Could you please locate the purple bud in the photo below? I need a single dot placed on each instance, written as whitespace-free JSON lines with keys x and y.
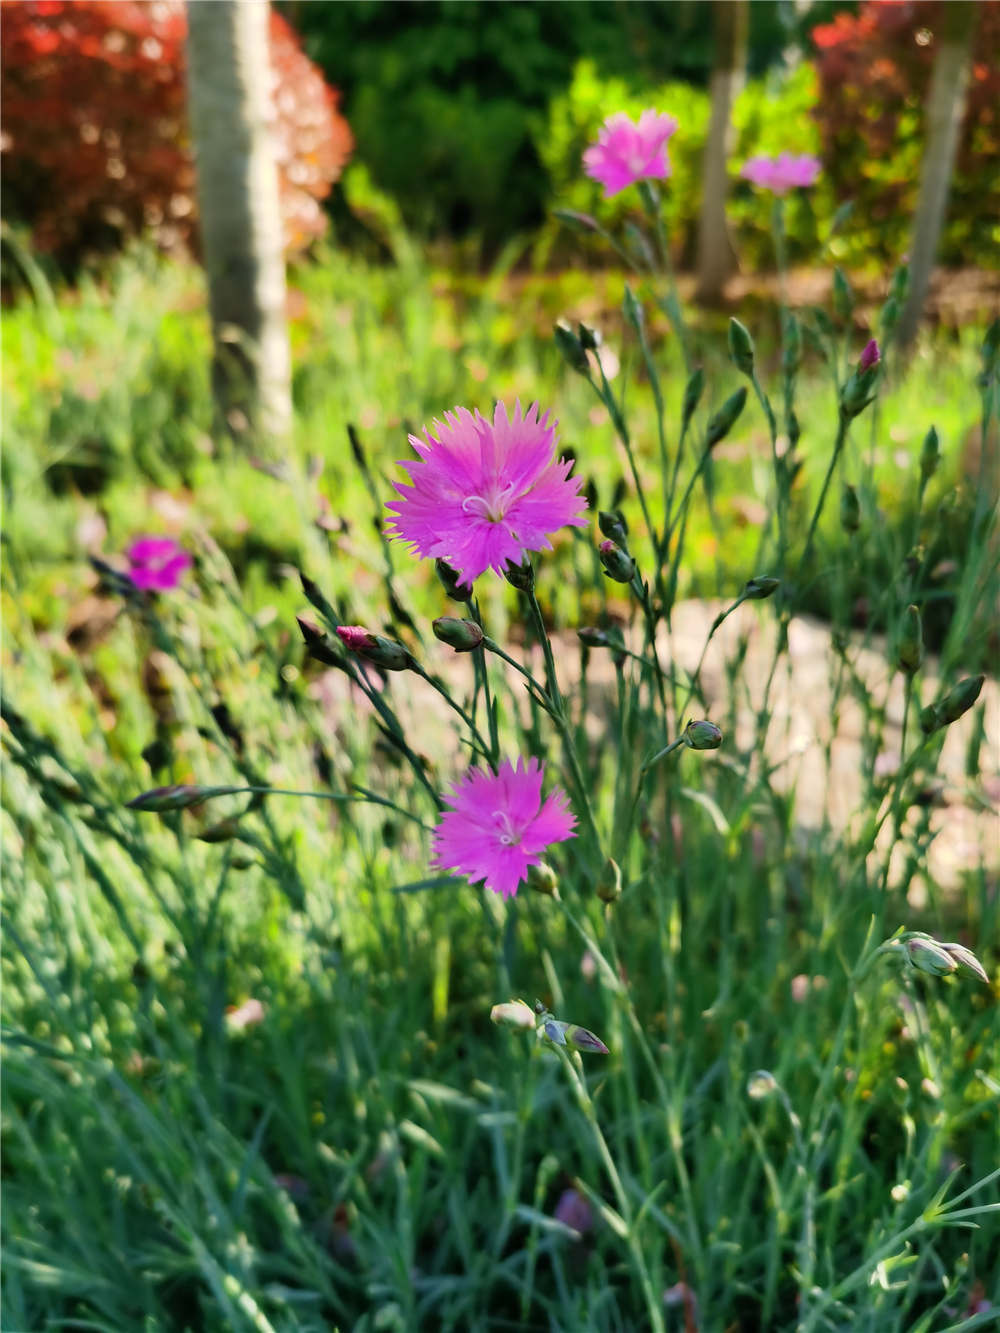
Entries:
{"x":870,"y":357}
{"x":161,"y":799}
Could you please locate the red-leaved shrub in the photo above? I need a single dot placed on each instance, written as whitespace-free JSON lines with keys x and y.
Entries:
{"x":875,"y":70}
{"x":95,"y":139}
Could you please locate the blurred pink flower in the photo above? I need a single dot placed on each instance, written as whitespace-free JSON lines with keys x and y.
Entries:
{"x":871,"y":356}
{"x":246,"y":1015}
{"x":499,"y":825}
{"x":484,"y":494}
{"x":573,"y":1210}
{"x":781,"y":174}
{"x":627,"y":152}
{"x":157,"y":563}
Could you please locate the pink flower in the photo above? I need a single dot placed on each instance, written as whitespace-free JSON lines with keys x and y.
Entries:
{"x":483,"y":495}
{"x":499,"y":825}
{"x":627,"y":152}
{"x":781,"y":174}
{"x":157,"y":563}
{"x":870,"y":357}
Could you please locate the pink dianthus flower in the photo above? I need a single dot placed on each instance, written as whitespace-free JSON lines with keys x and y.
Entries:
{"x":627,"y":152}
{"x":156,"y":563}
{"x":499,"y":825}
{"x":781,"y":174}
{"x":484,"y":494}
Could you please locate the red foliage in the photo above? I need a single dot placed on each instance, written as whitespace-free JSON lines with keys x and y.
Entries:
{"x":874,"y":71}
{"x":95,"y":138}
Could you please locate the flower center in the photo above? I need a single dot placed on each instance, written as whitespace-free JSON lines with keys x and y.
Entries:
{"x":509,"y":836}
{"x":492,"y":506}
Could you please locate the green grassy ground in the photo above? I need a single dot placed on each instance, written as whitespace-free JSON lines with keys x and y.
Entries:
{"x":373,"y":1153}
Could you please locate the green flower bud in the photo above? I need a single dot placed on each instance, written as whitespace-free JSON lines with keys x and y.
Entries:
{"x":741,"y":347}
{"x":589,"y":338}
{"x":959,"y":700}
{"x":462,"y":635}
{"x":760,"y":587}
{"x":618,"y":565}
{"x":449,"y":580}
{"x":928,"y":956}
{"x":609,"y":882}
{"x":930,"y":456}
{"x":850,"y":508}
{"x":966,"y":958}
{"x":910,"y":651}
{"x":182,"y":797}
{"x":722,"y":422}
{"x":930,"y":719}
{"x":614,"y":527}
{"x":513,"y":1014}
{"x":792,"y":355}
{"x":570,"y":346}
{"x":692,"y":396}
{"x":543,"y":879}
{"x":857,"y":391}
{"x":583,"y":1039}
{"x":521,"y":577}
{"x":702,"y":735}
{"x":594,"y":637}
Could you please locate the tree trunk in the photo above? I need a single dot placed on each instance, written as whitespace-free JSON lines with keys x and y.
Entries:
{"x":716,"y":259}
{"x":945,"y":111}
{"x":229,"y":81}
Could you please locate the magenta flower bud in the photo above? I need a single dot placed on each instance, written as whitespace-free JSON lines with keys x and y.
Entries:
{"x":513,"y":1014}
{"x":870,"y":357}
{"x":374,"y":648}
{"x":462,"y":635}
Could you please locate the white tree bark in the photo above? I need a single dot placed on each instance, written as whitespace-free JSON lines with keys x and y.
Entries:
{"x":229,"y":98}
{"x":716,"y":259}
{"x":945,"y":111}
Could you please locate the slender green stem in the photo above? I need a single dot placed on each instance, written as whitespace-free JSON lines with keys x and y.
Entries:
{"x":469,"y":721}
{"x":838,"y":446}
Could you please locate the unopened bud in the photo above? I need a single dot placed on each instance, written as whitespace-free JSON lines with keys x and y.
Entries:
{"x":843,"y":297}
{"x":870,"y":356}
{"x":161,"y":799}
{"x":521,"y":577}
{"x":462,"y":635}
{"x":928,"y":956}
{"x":966,"y":958}
{"x":572,"y":349}
{"x":890,"y":317}
{"x":450,"y":580}
{"x":930,"y":455}
{"x":959,"y":700}
{"x":617,"y":564}
{"x":741,"y":347}
{"x":318,"y":643}
{"x":583,"y":1039}
{"x":850,"y":508}
{"x":542,"y":879}
{"x":702,"y":735}
{"x":375,"y":648}
{"x":929,"y":719}
{"x":910,"y":651}
{"x":513,"y":1014}
{"x":722,"y":422}
{"x":614,"y":527}
{"x":609,"y":882}
{"x":857,"y":391}
{"x":590,"y":339}
{"x":760,"y":587}
{"x":761,"y":1084}
{"x":692,"y":396}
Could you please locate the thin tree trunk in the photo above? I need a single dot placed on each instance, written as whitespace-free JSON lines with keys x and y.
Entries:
{"x":716,"y":259}
{"x":229,"y":79}
{"x":945,"y":111}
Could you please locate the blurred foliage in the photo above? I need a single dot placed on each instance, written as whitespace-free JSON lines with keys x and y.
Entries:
{"x":448,"y":99}
{"x":874,"y":72}
{"x":95,"y":137}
